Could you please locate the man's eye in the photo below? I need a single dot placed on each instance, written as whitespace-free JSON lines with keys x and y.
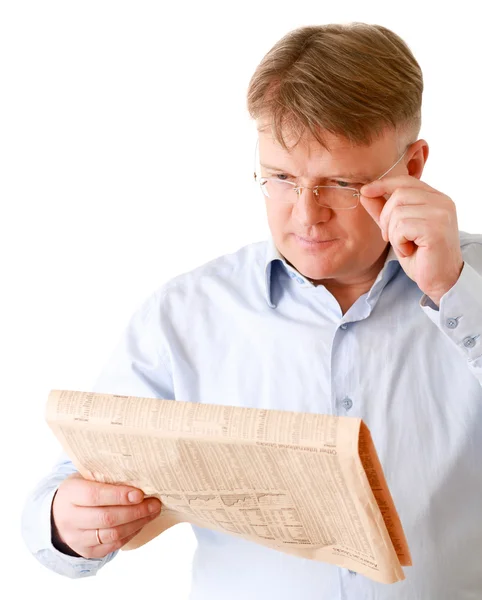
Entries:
{"x":349,"y":184}
{"x":282,"y":176}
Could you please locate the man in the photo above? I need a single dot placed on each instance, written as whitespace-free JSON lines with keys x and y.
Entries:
{"x":366,"y":302}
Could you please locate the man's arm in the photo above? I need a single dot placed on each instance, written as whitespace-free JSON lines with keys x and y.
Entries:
{"x":421,"y":224}
{"x":139,"y":366}
{"x":37,"y":531}
{"x":459,"y":315}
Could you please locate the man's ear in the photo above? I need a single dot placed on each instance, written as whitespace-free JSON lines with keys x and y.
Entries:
{"x":418,"y":155}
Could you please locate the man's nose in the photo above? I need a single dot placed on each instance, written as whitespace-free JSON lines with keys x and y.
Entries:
{"x":307,"y":211}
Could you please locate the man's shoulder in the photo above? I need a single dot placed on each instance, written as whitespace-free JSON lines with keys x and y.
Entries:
{"x":471,"y":246}
{"x":468,"y":239}
{"x":231,"y":268}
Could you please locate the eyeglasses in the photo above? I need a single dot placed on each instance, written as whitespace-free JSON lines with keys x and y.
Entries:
{"x":336,"y":197}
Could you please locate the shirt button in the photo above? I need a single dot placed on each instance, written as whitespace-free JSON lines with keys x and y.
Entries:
{"x":469,"y":342}
{"x":344,"y":326}
{"x":351,"y":572}
{"x":452,"y":323}
{"x":347,"y":403}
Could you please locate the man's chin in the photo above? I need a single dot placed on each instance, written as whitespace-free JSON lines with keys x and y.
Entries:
{"x":315,"y":272}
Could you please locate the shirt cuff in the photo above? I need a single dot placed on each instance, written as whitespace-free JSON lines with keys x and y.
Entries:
{"x":70,"y":566}
{"x":460,"y":313}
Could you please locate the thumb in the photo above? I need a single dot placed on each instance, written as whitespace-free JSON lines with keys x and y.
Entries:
{"x":373,"y":206}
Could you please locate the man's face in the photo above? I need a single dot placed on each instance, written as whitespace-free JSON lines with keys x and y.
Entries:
{"x":351,"y":241}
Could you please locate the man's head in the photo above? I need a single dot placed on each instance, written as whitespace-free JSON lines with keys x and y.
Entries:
{"x":335,"y":105}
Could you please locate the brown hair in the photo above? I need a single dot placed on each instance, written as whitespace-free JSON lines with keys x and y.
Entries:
{"x":352,"y":80}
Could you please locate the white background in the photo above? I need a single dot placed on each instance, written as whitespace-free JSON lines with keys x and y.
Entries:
{"x":126,"y":159}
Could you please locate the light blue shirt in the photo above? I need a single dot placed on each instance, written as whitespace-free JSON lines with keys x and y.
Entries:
{"x":247,"y":329}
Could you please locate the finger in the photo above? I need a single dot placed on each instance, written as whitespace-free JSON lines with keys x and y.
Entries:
{"x":405,"y":234}
{"x":105,"y":549}
{"x":405,"y":249}
{"x":388,"y":185}
{"x":373,"y":206}
{"x":112,"y":516}
{"x":392,"y":213}
{"x":96,"y":493}
{"x":114,"y":534}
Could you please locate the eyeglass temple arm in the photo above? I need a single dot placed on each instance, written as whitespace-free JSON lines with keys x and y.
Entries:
{"x":381,"y":176}
{"x":393,"y":166}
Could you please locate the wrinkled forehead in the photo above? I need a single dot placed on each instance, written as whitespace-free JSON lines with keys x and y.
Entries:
{"x":307,"y":156}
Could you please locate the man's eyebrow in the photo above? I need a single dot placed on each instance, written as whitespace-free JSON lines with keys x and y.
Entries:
{"x":271,"y":168}
{"x":361,"y":177}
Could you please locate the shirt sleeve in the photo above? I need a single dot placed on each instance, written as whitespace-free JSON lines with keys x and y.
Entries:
{"x":139,"y":366}
{"x":460,"y":314}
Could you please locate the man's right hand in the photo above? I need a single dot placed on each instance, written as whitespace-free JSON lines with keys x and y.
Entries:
{"x":81,"y":507}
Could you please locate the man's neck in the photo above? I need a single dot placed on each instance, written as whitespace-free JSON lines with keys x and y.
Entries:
{"x":347,"y":293}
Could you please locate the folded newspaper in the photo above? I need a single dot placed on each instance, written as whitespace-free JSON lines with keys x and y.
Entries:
{"x":307,"y":484}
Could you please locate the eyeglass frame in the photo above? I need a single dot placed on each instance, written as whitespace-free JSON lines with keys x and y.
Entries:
{"x":298,"y":188}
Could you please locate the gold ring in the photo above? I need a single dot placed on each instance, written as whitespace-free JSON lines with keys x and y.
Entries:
{"x":97,"y":536}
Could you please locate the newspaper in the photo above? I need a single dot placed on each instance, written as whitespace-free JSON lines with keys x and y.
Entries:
{"x":307,"y":484}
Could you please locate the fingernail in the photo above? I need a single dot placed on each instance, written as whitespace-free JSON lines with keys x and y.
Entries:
{"x":154,"y":506}
{"x":369,"y":188}
{"x":135,"y":496}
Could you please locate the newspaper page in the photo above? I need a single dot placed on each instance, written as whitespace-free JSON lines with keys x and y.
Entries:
{"x":307,"y":484}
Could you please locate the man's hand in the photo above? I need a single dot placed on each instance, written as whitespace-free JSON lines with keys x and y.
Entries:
{"x":81,"y":507}
{"x":421,"y":225}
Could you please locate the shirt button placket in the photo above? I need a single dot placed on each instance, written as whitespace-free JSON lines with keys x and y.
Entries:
{"x":452,"y":323}
{"x":469,"y":342}
{"x":347,"y":403}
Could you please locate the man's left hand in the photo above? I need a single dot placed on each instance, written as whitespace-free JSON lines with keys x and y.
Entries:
{"x":421,"y":225}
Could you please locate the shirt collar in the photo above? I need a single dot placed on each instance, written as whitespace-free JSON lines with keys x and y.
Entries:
{"x":390,"y":267}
